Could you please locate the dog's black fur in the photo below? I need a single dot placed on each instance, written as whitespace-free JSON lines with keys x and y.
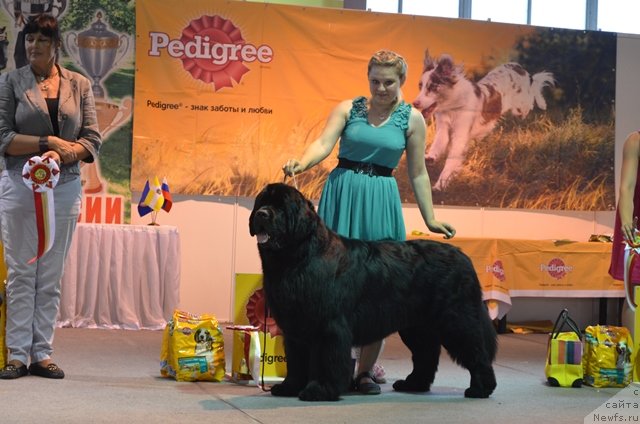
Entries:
{"x":328,"y":293}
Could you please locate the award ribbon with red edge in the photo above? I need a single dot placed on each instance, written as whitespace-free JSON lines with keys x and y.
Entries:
{"x":41,"y":175}
{"x":631,"y":251}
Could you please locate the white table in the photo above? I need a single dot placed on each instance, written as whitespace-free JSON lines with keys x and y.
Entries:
{"x":121,"y":276}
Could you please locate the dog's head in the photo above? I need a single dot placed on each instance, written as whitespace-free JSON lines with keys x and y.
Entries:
{"x":202,"y":335}
{"x":282,"y":217}
{"x":437,"y":79}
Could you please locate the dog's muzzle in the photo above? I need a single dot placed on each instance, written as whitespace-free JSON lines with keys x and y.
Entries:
{"x":260,"y":217}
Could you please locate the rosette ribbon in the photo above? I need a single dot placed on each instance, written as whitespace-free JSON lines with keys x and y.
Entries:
{"x":631,"y":252}
{"x":41,"y":176}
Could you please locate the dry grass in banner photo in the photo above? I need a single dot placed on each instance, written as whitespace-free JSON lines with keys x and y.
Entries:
{"x":540,"y":165}
{"x":239,"y":164}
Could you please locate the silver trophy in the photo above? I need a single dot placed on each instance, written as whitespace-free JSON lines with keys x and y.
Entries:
{"x":97,"y":50}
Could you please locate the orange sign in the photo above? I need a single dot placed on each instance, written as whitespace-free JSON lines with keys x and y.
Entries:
{"x":510,"y":268}
{"x":226,"y":92}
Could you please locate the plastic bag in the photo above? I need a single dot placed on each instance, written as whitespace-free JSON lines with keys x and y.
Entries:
{"x":246,"y":359}
{"x":192,"y":348}
{"x":608,"y":357}
{"x":564,"y":354}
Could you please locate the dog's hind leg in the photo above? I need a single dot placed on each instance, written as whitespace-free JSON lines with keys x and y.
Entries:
{"x":425,"y":355}
{"x":474,"y":348}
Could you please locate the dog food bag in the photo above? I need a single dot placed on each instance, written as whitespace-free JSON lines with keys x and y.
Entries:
{"x":608,"y":356}
{"x":192,"y":348}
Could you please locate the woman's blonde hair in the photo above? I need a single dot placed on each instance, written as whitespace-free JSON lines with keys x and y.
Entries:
{"x":389,"y":59}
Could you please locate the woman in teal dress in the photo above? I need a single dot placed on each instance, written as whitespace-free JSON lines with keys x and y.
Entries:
{"x":360,"y":198}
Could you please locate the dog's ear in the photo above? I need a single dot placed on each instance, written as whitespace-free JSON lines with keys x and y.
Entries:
{"x":429,"y":63}
{"x":302,"y":216}
{"x":447,"y":69}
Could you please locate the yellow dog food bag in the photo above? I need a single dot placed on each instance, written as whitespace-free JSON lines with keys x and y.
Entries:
{"x":608,"y":357}
{"x":192,"y":348}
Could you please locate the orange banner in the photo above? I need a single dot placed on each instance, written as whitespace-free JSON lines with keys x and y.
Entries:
{"x":226,"y":92}
{"x":537,"y":268}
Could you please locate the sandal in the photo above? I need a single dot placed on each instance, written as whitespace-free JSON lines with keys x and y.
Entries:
{"x":49,"y":371}
{"x":366,"y":388}
{"x":11,"y":372}
{"x":378,"y":374}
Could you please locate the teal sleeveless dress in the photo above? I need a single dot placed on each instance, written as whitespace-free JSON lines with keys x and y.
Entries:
{"x":357,"y":205}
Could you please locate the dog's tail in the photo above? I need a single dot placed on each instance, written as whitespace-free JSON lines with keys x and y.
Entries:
{"x":538,"y":82}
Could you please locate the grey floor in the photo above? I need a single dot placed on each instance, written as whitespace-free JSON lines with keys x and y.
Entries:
{"x":113,"y":377}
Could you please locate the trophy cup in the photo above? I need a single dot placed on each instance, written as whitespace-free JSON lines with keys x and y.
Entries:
{"x":97,"y":50}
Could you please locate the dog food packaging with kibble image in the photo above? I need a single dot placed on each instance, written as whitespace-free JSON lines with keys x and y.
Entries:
{"x":608,"y":357}
{"x":192,"y":348}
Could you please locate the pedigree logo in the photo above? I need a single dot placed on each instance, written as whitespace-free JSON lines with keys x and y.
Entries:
{"x":497,"y":270}
{"x":556,"y":268}
{"x":212,"y":50}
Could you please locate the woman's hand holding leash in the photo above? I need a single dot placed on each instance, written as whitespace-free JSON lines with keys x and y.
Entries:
{"x":290,"y":169}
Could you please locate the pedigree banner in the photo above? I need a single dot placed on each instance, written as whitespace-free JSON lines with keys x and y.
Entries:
{"x":517,"y":116}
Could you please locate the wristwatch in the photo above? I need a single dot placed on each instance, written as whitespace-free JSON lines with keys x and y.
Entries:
{"x":43,"y":143}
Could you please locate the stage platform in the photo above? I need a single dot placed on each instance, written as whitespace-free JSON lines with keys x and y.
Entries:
{"x":114,"y":376}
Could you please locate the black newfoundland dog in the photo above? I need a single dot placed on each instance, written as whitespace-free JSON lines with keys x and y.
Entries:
{"x":328,"y":293}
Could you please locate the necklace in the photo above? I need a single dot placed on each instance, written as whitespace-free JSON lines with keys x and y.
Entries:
{"x":42,"y":80}
{"x":384,"y":115}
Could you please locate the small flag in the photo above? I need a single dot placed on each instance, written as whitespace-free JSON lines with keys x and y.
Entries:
{"x":154,"y":198}
{"x":168,"y":202}
{"x":151,"y":198}
{"x":142,"y":208}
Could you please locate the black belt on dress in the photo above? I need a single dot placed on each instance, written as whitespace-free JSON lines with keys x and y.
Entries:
{"x":370,"y":169}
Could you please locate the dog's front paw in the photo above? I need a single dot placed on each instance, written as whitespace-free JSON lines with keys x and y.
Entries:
{"x":316,"y":392}
{"x":410,"y":386}
{"x":284,"y":390}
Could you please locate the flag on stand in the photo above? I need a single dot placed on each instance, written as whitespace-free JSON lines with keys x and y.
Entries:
{"x":168,"y":202}
{"x":151,"y":198}
{"x":142,"y":208}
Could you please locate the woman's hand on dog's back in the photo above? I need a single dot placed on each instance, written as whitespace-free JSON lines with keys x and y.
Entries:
{"x":442,"y":228}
